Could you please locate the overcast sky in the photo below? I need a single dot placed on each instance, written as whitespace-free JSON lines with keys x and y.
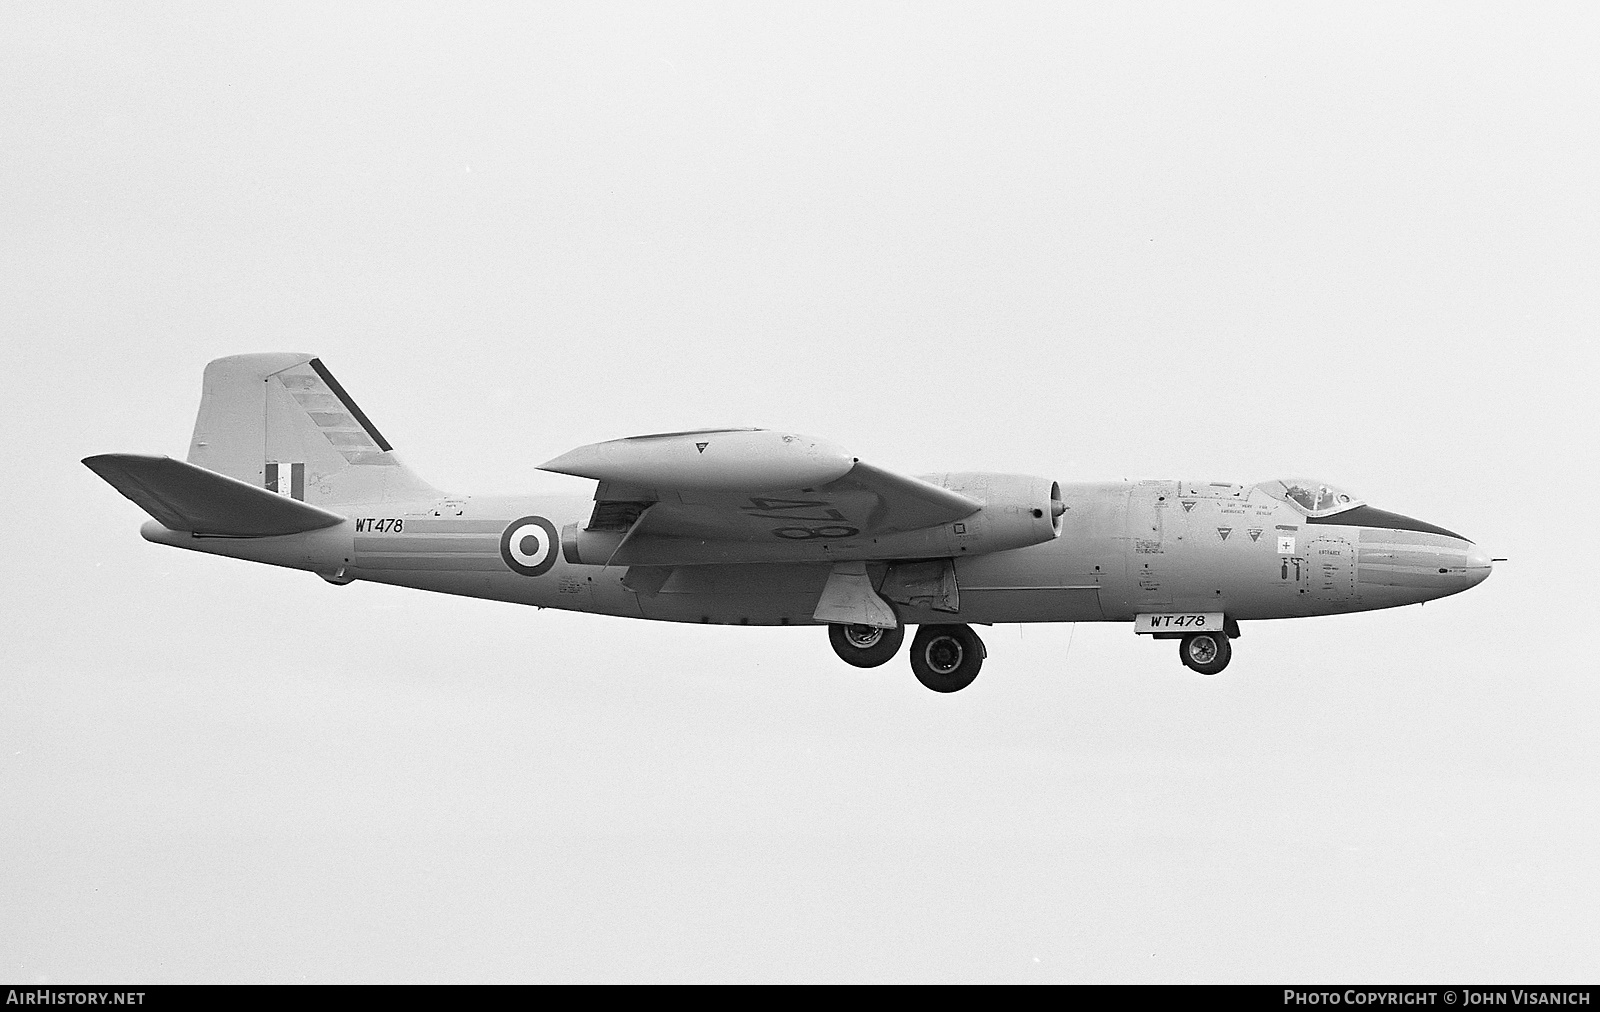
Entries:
{"x":1214,"y":242}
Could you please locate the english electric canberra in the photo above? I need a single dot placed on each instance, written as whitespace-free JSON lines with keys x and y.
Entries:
{"x":759,"y":527}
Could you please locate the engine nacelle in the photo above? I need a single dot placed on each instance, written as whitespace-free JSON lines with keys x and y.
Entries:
{"x":1018,"y":510}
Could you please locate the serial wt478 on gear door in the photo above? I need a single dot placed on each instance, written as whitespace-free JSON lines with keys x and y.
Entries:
{"x":758,"y":527}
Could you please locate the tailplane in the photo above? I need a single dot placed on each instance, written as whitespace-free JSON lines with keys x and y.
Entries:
{"x":183,"y":497}
{"x":281,"y":422}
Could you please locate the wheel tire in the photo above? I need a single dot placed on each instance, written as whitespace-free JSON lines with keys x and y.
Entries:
{"x":946,"y":658}
{"x":1207,"y":653}
{"x":865,"y":646}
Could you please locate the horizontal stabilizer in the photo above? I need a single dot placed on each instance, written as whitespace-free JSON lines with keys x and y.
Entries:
{"x":184,"y":497}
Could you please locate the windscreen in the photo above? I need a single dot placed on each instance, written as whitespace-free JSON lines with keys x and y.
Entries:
{"x":1310,"y":496}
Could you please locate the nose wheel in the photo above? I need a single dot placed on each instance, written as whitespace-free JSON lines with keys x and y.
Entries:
{"x":946,"y":658}
{"x":1207,"y":652}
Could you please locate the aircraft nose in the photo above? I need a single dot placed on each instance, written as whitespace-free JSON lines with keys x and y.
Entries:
{"x":1478,"y":564}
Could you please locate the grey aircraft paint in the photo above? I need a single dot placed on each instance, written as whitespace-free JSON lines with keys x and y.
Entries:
{"x":671,"y":511}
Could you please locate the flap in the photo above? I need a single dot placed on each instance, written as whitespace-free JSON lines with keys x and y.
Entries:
{"x":184,"y":497}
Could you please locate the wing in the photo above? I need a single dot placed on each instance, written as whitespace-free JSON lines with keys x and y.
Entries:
{"x":750,"y":495}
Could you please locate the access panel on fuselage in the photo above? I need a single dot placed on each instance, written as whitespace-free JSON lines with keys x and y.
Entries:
{"x":1332,"y":563}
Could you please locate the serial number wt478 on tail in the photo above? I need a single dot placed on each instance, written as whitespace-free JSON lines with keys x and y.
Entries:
{"x":757,"y":527}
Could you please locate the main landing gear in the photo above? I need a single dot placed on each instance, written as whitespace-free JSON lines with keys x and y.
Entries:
{"x":945,"y":658}
{"x":865,"y":646}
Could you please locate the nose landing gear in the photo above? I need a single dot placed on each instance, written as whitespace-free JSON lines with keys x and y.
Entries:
{"x":1207,"y":652}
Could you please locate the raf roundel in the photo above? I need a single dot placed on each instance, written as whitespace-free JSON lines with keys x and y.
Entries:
{"x":529,"y":546}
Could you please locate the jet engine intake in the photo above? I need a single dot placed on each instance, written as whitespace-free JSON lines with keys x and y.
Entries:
{"x":1018,"y":510}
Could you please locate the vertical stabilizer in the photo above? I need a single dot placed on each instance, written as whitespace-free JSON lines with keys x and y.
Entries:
{"x":280,"y":421}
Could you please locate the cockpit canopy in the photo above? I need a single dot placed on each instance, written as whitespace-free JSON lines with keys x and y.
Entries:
{"x":1312,"y":497}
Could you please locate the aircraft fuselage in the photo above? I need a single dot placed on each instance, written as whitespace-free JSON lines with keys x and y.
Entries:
{"x":1125,"y":549}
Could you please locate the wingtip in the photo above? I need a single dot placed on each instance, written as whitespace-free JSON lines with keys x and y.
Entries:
{"x":108,"y":458}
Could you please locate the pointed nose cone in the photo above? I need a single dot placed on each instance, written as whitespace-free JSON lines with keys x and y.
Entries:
{"x":1478,"y":564}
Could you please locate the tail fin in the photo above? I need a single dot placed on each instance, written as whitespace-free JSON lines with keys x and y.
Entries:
{"x":280,"y":421}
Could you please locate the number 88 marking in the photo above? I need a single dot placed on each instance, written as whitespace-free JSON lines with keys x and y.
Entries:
{"x":812,"y":533}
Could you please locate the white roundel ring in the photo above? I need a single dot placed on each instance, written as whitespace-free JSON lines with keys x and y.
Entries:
{"x":529,"y":546}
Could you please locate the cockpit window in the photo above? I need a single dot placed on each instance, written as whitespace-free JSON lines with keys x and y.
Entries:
{"x":1314,"y":498}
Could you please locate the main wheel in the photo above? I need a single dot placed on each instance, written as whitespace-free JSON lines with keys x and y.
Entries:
{"x":946,"y":658}
{"x":1207,"y":653}
{"x":865,"y":646}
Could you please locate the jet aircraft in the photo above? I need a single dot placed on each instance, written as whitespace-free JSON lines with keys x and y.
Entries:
{"x":761,"y":527}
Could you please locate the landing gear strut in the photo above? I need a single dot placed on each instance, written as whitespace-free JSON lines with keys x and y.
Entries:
{"x":865,"y":646}
{"x":946,"y":658}
{"x":1207,"y":652}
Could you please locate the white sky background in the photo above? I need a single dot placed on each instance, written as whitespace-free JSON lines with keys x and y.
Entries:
{"x":1223,"y":243}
